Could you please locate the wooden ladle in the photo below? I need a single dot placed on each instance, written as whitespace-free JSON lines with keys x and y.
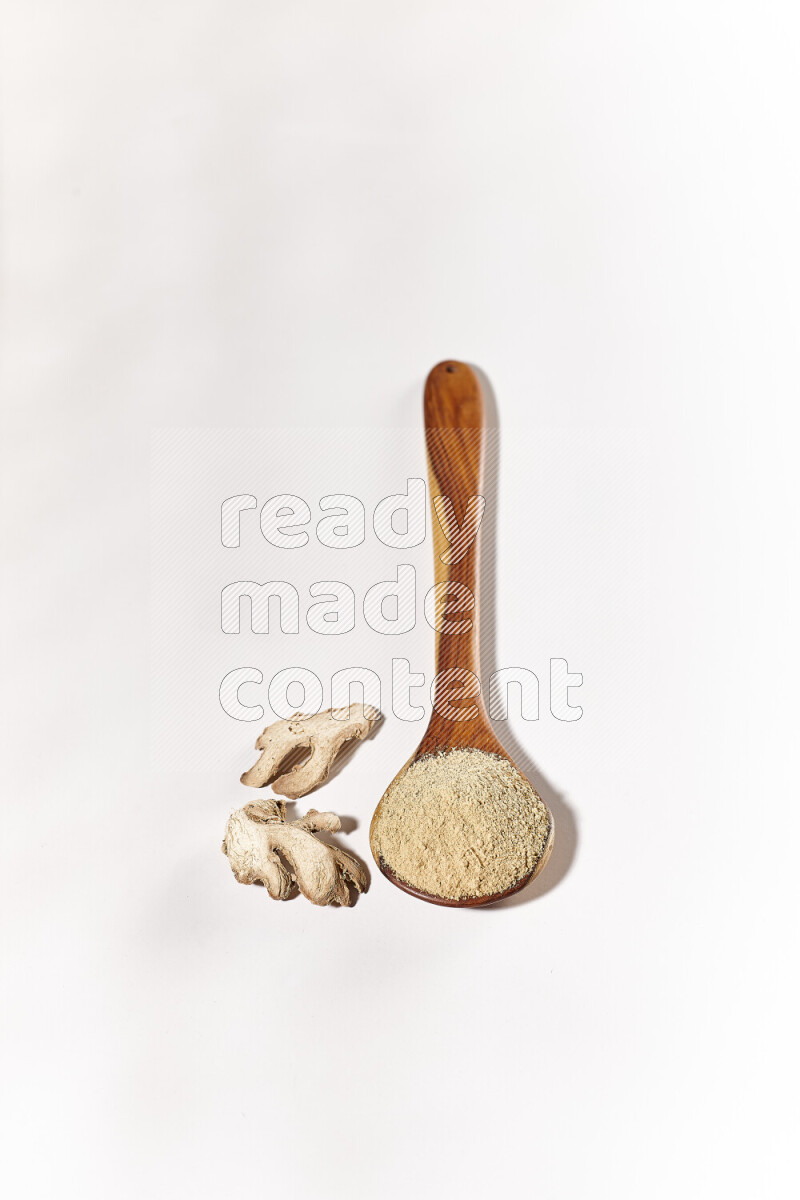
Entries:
{"x":454,"y":433}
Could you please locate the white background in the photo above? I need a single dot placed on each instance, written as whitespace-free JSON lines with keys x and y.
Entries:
{"x":272,"y":215}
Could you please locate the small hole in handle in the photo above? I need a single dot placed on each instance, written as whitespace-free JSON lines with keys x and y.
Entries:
{"x":450,"y":370}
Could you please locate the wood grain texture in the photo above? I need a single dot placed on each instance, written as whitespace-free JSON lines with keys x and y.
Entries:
{"x":455,"y":434}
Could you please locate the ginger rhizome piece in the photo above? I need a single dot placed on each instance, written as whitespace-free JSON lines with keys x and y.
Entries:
{"x":323,"y":734}
{"x":262,"y":848}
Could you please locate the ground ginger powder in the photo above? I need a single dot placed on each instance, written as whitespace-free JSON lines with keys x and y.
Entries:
{"x":461,"y":823}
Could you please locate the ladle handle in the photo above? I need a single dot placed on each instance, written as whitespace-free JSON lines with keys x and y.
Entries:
{"x":454,"y":433}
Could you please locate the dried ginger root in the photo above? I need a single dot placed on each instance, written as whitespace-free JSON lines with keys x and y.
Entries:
{"x":259,"y":845}
{"x":323,"y":734}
